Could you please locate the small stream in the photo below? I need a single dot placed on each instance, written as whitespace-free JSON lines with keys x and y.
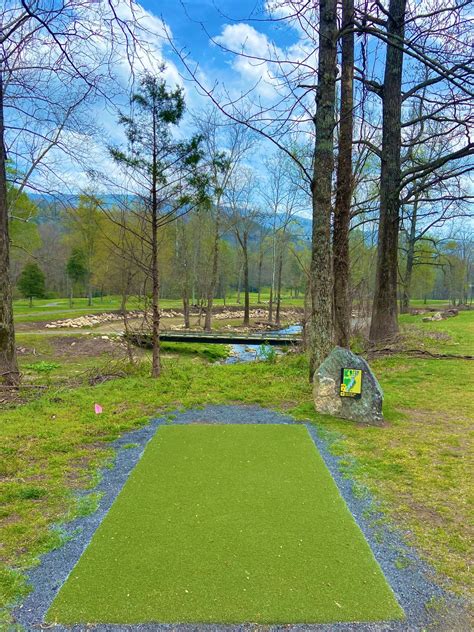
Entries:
{"x":250,"y":353}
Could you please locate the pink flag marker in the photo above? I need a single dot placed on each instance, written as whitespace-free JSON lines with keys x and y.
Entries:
{"x":98,"y":409}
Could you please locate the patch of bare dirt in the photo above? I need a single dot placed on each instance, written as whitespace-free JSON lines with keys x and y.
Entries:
{"x":450,"y":421}
{"x":83,"y":346}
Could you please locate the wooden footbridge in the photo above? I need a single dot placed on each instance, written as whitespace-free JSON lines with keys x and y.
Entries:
{"x":273,"y":338}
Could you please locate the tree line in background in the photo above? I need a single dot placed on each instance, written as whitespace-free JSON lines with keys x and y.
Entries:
{"x":370,"y":122}
{"x":79,"y":253}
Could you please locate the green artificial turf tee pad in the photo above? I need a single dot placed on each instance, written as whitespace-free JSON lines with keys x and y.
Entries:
{"x":227,"y":524}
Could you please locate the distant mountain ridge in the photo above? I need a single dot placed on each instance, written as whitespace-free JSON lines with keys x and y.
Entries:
{"x":50,"y":207}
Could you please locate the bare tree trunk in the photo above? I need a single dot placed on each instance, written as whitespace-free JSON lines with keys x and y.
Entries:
{"x":215,"y":265}
{"x":278,"y":289}
{"x":272,"y":285}
{"x":384,"y":312}
{"x":89,"y":286}
{"x":406,"y":289}
{"x":322,"y":332}
{"x":306,"y":317}
{"x":246,"y":280}
{"x":155,"y":307}
{"x":184,"y":267}
{"x":259,"y":276}
{"x":187,"y":323}
{"x":123,"y":309}
{"x":342,"y":211}
{"x":9,"y":373}
{"x":239,"y":281}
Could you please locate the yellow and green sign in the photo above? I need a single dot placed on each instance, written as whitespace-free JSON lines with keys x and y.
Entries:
{"x":351,"y":383}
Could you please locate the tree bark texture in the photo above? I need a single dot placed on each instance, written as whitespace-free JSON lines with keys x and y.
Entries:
{"x":155,"y":307}
{"x":9,"y":373}
{"x":342,"y":211}
{"x":384,"y":323}
{"x":321,"y":283}
{"x":155,"y":279}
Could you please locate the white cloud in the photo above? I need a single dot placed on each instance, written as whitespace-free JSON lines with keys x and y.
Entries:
{"x":253,"y":50}
{"x":258,"y":60}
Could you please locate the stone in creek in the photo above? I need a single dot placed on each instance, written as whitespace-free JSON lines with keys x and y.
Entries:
{"x":326,"y":390}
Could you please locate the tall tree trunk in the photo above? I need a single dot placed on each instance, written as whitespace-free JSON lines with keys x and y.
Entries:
{"x":187,"y":323}
{"x":406,"y":289}
{"x":278,"y":289}
{"x":9,"y":373}
{"x":272,"y":285}
{"x":342,"y":211}
{"x":184,"y":267}
{"x":155,"y":307}
{"x":270,"y":305}
{"x":89,"y":285}
{"x":215,"y":267}
{"x":259,"y":274}
{"x":322,"y":331}
{"x":384,"y":312}
{"x":246,"y":280}
{"x":239,"y":282}
{"x":123,"y":309}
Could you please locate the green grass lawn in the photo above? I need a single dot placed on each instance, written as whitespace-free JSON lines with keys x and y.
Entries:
{"x":58,"y":308}
{"x":453,"y":335}
{"x":419,"y":465}
{"x":227,"y":524}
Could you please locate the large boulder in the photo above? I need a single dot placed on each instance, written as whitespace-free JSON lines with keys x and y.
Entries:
{"x":353,"y":394}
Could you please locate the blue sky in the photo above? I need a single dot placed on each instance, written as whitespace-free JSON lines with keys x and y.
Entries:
{"x":238,"y":23}
{"x":192,"y":25}
{"x":246,"y":26}
{"x":214,"y":15}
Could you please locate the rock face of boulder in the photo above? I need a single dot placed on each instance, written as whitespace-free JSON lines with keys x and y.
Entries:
{"x":364,"y":408}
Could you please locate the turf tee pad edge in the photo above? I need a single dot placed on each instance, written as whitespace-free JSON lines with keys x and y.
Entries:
{"x":227,"y":524}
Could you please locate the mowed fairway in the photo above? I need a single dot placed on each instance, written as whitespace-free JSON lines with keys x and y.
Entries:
{"x":227,"y":524}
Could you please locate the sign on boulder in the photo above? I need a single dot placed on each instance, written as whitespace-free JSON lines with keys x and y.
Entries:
{"x":344,"y":386}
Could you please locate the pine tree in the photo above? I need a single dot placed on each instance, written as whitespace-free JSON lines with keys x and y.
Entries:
{"x":31,"y":282}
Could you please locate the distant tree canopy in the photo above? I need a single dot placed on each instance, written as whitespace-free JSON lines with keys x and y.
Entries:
{"x":31,"y":282}
{"x":76,"y":266}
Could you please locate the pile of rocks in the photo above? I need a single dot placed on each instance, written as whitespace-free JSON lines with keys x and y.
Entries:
{"x":448,"y":313}
{"x":169,"y":314}
{"x":257,"y":314}
{"x":89,"y":320}
{"x":92,"y":320}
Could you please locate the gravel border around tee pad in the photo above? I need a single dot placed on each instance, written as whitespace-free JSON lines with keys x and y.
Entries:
{"x":410,"y":584}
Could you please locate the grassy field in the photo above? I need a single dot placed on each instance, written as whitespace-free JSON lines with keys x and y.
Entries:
{"x":418,"y":465}
{"x":58,"y":308}
{"x":450,"y":336}
{"x":221,"y":524}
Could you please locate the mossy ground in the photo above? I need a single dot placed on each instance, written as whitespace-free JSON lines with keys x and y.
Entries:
{"x":418,"y":465}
